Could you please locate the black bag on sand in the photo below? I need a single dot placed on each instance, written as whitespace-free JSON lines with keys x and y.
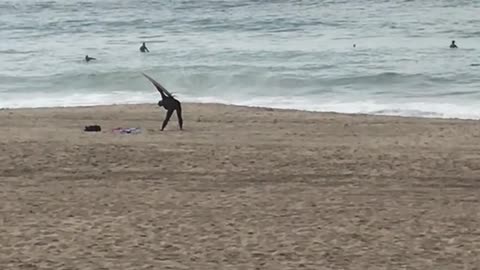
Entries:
{"x":94,"y":128}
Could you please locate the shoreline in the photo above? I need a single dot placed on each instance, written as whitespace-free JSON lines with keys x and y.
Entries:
{"x":244,"y":106}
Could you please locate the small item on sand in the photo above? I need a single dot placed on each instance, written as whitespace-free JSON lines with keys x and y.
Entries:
{"x":127,"y":130}
{"x":94,"y":128}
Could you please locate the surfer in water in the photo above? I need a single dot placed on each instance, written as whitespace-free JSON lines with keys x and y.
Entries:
{"x":453,"y":45}
{"x":88,"y":58}
{"x":168,"y":102}
{"x":144,"y":48}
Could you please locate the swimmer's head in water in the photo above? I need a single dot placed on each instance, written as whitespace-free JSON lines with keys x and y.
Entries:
{"x":453,"y":45}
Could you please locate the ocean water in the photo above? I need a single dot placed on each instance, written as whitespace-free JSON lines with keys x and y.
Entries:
{"x":281,"y":54}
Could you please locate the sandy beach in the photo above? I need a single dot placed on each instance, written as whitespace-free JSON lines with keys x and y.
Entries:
{"x":239,"y":188}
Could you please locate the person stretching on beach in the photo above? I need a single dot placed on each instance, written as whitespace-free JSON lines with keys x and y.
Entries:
{"x":168,"y":102}
{"x":144,"y":48}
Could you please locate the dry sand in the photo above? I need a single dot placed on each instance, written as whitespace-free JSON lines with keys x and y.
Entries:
{"x":239,"y":188}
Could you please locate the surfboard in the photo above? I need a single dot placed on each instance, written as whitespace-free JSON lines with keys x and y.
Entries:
{"x":159,"y":87}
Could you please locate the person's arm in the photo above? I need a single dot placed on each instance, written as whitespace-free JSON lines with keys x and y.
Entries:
{"x":159,"y":87}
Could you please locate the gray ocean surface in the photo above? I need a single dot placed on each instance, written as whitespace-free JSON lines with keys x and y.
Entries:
{"x":281,"y":54}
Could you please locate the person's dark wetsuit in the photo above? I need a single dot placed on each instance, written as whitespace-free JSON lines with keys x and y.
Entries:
{"x":168,"y":102}
{"x":144,"y":48}
{"x":88,"y":58}
{"x":453,"y":45}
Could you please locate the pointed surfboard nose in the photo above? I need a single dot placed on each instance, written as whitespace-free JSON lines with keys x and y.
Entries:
{"x":159,"y":87}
